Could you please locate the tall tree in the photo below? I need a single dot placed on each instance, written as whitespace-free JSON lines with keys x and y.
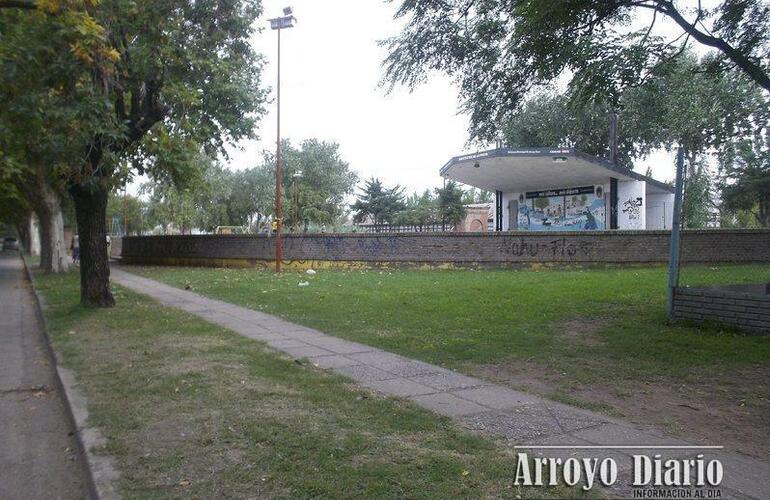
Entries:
{"x":499,"y":50}
{"x":38,"y":121}
{"x":474,"y":195}
{"x":316,"y":181}
{"x":420,"y":210}
{"x":551,"y":119}
{"x":171,"y":208}
{"x":127,"y":212}
{"x":177,"y":77}
{"x":378,"y":203}
{"x":698,"y":206}
{"x":450,"y":203}
{"x":746,"y":177}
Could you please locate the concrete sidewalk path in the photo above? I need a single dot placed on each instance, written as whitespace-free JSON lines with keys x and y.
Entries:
{"x":526,"y":421}
{"x":38,"y":453}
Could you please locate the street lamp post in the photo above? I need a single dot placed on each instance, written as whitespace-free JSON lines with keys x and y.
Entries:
{"x":278,"y":24}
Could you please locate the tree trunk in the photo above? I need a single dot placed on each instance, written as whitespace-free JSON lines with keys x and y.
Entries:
{"x":763,"y":214}
{"x":44,"y":228}
{"x":59,"y":257}
{"x":23,"y":229}
{"x":90,"y":210}
{"x":53,"y":250}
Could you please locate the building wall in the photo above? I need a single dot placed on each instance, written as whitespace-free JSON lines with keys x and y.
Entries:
{"x":631,"y":205}
{"x":659,"y":211}
{"x":501,"y":249}
{"x":508,"y":197}
{"x":748,"y":311}
{"x":476,"y":219}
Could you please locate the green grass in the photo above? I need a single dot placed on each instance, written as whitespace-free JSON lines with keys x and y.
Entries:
{"x":191,"y":410}
{"x":467,"y":319}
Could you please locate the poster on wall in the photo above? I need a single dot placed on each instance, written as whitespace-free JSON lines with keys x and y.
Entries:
{"x":570,"y":209}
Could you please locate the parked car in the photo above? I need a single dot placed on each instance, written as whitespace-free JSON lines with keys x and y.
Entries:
{"x":10,"y":244}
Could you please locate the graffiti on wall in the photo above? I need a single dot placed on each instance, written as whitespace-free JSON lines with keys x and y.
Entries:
{"x":558,"y":248}
{"x":632,"y":207}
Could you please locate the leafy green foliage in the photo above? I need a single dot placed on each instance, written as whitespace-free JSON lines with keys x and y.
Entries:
{"x":697,"y":205}
{"x":499,"y":50}
{"x":420,"y":210}
{"x":474,"y":195}
{"x":315,"y":182}
{"x":553,"y":120}
{"x":128,"y":211}
{"x":378,"y":203}
{"x":442,"y":206}
{"x":450,"y":203}
{"x":746,"y":178}
{"x":221,"y":197}
{"x":680,"y":104}
{"x":166,"y":82}
{"x":14,"y":208}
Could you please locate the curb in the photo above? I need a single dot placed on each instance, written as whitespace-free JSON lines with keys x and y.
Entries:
{"x":99,"y":471}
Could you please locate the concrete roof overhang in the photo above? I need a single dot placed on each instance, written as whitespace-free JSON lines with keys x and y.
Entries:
{"x":508,"y":169}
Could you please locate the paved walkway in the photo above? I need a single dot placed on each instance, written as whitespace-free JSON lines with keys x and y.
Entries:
{"x":38,"y":458}
{"x":521,"y":418}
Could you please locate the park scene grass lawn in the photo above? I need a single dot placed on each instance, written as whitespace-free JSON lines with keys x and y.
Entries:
{"x":596,"y":338}
{"x":193,"y":410}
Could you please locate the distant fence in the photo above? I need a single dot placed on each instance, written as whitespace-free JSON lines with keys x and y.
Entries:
{"x":396,"y":228}
{"x":507,"y":249}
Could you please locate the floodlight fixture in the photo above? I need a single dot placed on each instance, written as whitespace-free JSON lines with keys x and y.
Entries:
{"x":285,"y":21}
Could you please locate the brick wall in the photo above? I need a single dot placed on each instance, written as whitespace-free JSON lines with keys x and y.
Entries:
{"x":746,"y":310}
{"x":486,"y":249}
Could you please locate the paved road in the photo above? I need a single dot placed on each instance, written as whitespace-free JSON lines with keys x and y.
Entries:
{"x":521,"y":418}
{"x":38,"y":457}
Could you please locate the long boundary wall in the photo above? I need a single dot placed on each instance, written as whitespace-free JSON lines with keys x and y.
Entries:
{"x":504,"y":249}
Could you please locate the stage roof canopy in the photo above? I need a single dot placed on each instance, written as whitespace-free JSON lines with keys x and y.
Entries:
{"x":508,"y":169}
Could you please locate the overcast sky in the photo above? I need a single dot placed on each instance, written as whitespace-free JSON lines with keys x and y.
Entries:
{"x":331,"y":67}
{"x":330,"y":70}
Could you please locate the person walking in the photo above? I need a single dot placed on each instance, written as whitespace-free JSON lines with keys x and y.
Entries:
{"x":75,"y":247}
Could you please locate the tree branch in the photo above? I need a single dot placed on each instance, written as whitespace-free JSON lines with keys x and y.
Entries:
{"x":755,"y":71}
{"x":17,"y":4}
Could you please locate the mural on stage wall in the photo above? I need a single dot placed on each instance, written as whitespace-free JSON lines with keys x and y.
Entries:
{"x":572,"y":209}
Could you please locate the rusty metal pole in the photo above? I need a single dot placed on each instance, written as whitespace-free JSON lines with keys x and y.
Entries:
{"x":278,"y":247}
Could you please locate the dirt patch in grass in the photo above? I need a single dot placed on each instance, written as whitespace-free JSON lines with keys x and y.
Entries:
{"x":583,"y":330}
{"x":725,"y":407}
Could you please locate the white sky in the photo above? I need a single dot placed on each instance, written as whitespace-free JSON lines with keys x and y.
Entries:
{"x":330,"y":70}
{"x":331,"y":67}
